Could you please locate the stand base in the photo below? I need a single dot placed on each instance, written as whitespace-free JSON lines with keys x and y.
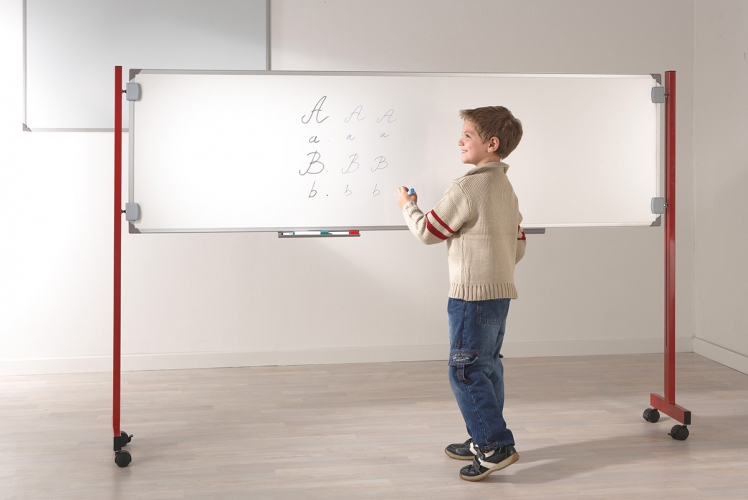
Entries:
{"x":122,"y":457}
{"x":672,"y":410}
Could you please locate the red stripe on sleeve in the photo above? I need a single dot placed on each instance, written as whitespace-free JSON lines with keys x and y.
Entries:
{"x":434,"y":230}
{"x":523,"y":237}
{"x":441,"y":222}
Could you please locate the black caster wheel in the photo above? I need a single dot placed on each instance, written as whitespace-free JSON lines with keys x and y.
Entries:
{"x":122,"y":458}
{"x":679,"y":432}
{"x":651,"y":415}
{"x":126,"y":438}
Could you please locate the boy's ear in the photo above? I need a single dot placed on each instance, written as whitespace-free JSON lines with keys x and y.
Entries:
{"x":493,"y":144}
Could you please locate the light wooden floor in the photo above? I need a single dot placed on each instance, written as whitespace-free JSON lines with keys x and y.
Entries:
{"x":373,"y":431}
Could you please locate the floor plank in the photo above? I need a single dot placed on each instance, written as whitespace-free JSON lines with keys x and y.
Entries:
{"x":373,"y":431}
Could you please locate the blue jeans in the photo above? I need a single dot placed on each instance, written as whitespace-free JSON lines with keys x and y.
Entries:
{"x":476,"y":332}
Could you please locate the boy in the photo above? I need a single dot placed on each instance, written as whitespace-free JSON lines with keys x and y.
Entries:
{"x":479,"y":219}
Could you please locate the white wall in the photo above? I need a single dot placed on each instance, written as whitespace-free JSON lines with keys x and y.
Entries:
{"x":721,"y":178}
{"x":233,"y":299}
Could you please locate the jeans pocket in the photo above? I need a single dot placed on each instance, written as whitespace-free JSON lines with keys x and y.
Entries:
{"x":460,"y":358}
{"x":492,"y":312}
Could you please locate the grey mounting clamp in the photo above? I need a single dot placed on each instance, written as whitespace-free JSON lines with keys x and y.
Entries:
{"x":133,"y":91}
{"x":658,"y":205}
{"x":132,"y":212}
{"x":658,"y":95}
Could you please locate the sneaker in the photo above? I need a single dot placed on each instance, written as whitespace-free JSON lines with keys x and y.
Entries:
{"x":486,"y":463}
{"x":460,"y":451}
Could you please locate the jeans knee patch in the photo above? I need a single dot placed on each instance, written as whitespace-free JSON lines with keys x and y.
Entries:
{"x":460,"y":358}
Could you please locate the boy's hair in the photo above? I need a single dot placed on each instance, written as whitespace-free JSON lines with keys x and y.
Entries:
{"x":495,"y":121}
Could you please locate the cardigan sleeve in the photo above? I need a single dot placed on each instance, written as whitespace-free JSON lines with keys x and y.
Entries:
{"x":443,"y":221}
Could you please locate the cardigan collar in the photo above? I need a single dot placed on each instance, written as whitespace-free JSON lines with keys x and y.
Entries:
{"x":486,"y":166}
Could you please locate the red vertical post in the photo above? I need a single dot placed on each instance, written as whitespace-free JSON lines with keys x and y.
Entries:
{"x":117,"y":247}
{"x":670,"y":238}
{"x":667,"y":404}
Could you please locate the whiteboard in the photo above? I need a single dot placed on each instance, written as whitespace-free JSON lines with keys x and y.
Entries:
{"x":267,"y":151}
{"x":72,"y":46}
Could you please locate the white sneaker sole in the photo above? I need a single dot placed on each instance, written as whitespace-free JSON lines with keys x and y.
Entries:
{"x":457,"y":457}
{"x":501,"y":465}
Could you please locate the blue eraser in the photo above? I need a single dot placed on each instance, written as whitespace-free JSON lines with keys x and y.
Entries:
{"x":411,"y":191}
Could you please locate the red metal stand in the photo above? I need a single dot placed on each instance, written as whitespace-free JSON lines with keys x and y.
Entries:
{"x":664,"y":404}
{"x":117,"y":241}
{"x":667,"y":404}
{"x":122,"y":458}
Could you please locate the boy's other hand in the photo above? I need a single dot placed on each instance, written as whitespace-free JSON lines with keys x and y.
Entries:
{"x":403,"y":197}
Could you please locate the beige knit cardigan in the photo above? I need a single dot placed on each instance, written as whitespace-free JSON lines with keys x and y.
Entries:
{"x":479,"y":219}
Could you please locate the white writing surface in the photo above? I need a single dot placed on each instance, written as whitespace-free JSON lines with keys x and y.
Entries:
{"x":283,"y":150}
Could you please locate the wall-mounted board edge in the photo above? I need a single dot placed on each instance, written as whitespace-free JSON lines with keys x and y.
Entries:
{"x":25,"y":128}
{"x":371,"y":354}
{"x":268,"y":53}
{"x":723,"y":356}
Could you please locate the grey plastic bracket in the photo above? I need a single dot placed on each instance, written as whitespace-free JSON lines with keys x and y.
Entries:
{"x":656,"y":76}
{"x":658,"y":205}
{"x":25,"y":128}
{"x":658,"y":95}
{"x":657,"y":222}
{"x":135,"y":72}
{"x":132,"y":212}
{"x":133,"y":91}
{"x":132,"y":229}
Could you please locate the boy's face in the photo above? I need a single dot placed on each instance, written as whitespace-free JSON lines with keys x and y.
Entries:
{"x":474,"y":150}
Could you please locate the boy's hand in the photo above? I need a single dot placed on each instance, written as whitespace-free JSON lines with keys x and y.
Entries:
{"x":403,"y":197}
